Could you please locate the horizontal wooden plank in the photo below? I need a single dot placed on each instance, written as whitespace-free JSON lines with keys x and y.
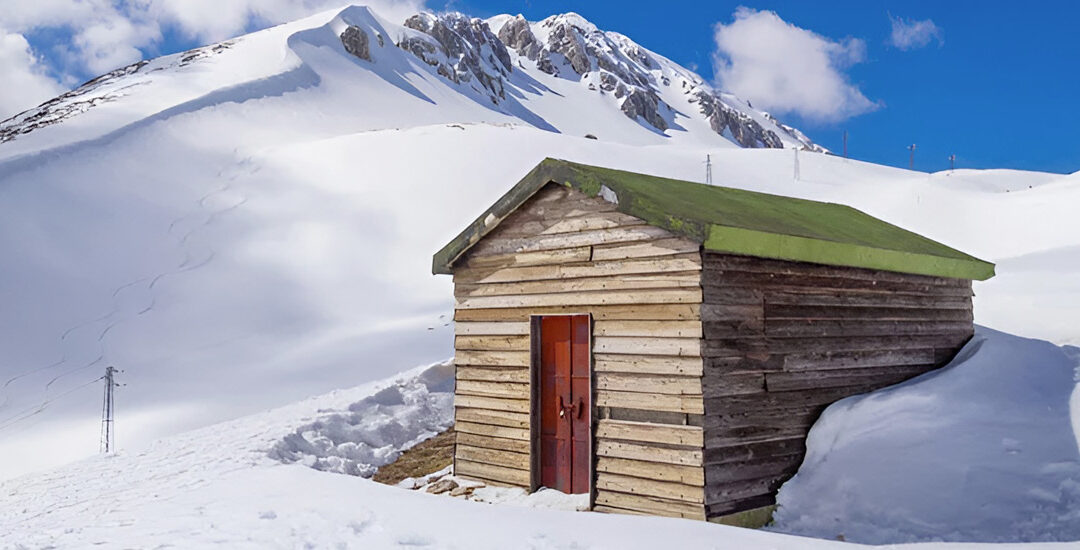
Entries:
{"x":767,"y":420}
{"x":543,"y":223}
{"x":811,"y":379}
{"x":647,"y":364}
{"x":491,"y":403}
{"x":495,"y":418}
{"x":656,"y":329}
{"x":728,"y":312}
{"x":650,"y":505}
{"x":602,"y":509}
{"x":716,"y":384}
{"x":819,"y":313}
{"x":493,"y":431}
{"x":486,"y":472}
{"x":787,"y":400}
{"x":726,"y":347}
{"x":835,"y":329}
{"x":794,"y":283}
{"x":689,"y":475}
{"x":506,"y":328}
{"x":497,"y":443}
{"x":518,"y":375}
{"x":683,"y":279}
{"x":856,"y":359}
{"x":492,"y":343}
{"x":658,"y":247}
{"x":639,"y":345}
{"x":663,"y":264}
{"x":646,"y":432}
{"x":492,"y":358}
{"x":683,"y":456}
{"x":650,"y":487}
{"x":505,"y":390}
{"x":622,"y":234}
{"x":661,"y":384}
{"x":733,"y":295}
{"x":650,"y":401}
{"x":754,"y":433}
{"x":599,"y":298}
{"x":743,"y":490}
{"x":542,"y":257}
{"x":809,"y":297}
{"x":648,"y":312}
{"x":749,"y":264}
{"x":793,"y":447}
{"x":495,"y":457}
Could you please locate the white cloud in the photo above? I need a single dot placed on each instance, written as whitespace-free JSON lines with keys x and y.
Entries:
{"x":909,"y":34}
{"x":107,"y":34}
{"x":26,"y":82}
{"x":787,"y":69}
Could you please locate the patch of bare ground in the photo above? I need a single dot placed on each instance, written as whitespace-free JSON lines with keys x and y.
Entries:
{"x":425,"y":458}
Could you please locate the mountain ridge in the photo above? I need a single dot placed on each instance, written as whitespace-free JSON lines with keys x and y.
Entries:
{"x":500,"y":56}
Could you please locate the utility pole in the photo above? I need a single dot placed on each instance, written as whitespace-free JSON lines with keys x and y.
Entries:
{"x":708,"y":169}
{"x":952,"y":161}
{"x":911,"y":159}
{"x":845,"y":143}
{"x":108,"y":432}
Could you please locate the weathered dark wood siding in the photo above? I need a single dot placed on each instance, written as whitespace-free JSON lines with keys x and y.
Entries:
{"x":785,"y":339}
{"x":565,"y":252}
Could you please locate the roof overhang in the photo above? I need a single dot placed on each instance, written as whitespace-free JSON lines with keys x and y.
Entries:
{"x":787,"y":229}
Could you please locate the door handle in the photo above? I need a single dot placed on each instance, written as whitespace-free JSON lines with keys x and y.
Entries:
{"x":580,"y":407}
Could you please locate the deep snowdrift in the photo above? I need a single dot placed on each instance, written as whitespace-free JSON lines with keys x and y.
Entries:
{"x":984,"y":449}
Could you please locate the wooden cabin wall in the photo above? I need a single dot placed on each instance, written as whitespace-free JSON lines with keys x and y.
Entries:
{"x":565,"y":252}
{"x":784,"y":339}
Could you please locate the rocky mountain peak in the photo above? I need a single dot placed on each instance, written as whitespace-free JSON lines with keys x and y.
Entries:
{"x":462,"y":48}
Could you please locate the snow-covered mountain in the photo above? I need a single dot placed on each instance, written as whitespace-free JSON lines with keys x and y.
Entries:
{"x":252,"y":222}
{"x":561,"y":74}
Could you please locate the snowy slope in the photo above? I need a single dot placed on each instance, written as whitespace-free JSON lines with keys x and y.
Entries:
{"x":217,"y":488}
{"x":256,"y":225}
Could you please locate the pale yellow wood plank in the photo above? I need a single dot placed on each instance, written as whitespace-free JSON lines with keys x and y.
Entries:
{"x":650,"y":401}
{"x":689,"y":475}
{"x":493,"y":431}
{"x":658,"y":329}
{"x":650,"y":488}
{"x":483,"y":472}
{"x":662,"y":384}
{"x":492,"y":358}
{"x":646,"y":432}
{"x":648,"y":364}
{"x":495,"y":418}
{"x":510,"y":328}
{"x":631,"y":345}
{"x":505,"y":390}
{"x":654,"y":296}
{"x":491,"y":403}
{"x":492,"y":343}
{"x":519,"y":375}
{"x":648,"y":453}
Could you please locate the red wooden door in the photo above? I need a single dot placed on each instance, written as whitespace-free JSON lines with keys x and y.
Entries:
{"x":565,"y":403}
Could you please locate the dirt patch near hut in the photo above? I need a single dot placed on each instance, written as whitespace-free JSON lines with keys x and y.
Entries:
{"x":422,"y":459}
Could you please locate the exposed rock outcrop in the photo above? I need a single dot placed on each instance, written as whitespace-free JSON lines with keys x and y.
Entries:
{"x":356,"y":42}
{"x":462,"y":49}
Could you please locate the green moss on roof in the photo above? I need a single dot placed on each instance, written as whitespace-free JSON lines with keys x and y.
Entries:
{"x":738,"y":222}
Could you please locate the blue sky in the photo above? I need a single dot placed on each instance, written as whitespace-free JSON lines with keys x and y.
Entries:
{"x":993,"y":83}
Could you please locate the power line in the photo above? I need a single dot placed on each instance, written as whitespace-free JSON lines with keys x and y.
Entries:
{"x":35,"y":410}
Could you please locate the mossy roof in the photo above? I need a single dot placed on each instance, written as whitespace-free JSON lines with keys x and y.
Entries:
{"x":736,"y":221}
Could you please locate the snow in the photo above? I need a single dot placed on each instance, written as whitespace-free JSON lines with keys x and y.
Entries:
{"x":218,"y":487}
{"x":985,"y":449}
{"x":257,"y":226}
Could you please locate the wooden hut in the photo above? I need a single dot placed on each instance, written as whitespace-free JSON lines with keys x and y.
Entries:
{"x":665,"y":346}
